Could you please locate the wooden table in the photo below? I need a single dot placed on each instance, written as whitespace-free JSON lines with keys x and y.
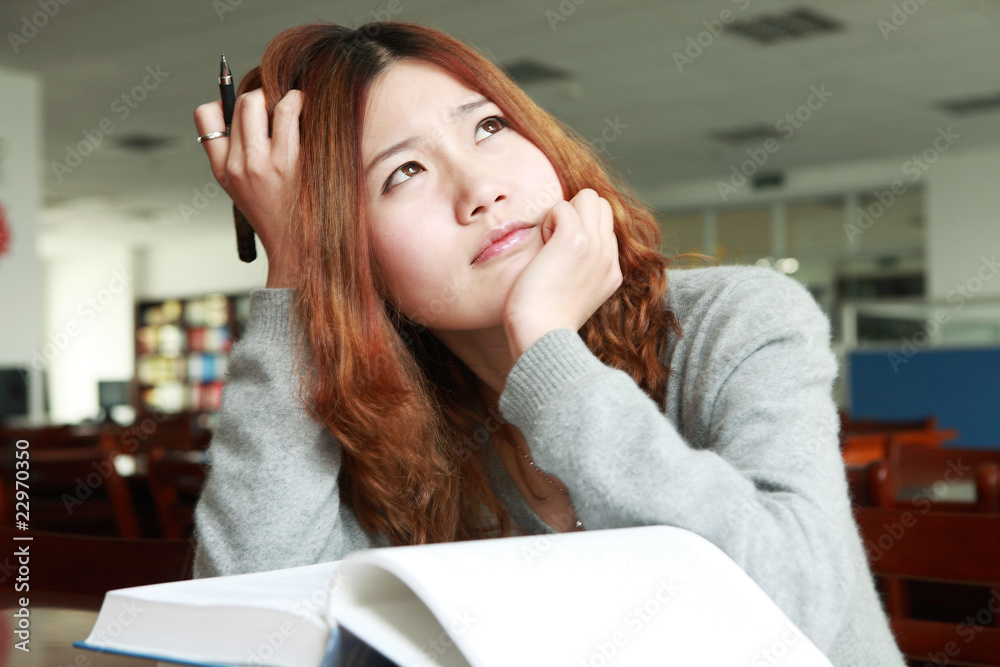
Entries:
{"x":53,"y":631}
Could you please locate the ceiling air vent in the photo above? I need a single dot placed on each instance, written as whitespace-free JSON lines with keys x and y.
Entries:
{"x":530,"y":71}
{"x":746,"y":134}
{"x":783,"y":26}
{"x":143,"y":143}
{"x":970,"y":105}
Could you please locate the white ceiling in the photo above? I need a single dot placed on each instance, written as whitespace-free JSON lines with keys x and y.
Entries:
{"x":885,"y":89}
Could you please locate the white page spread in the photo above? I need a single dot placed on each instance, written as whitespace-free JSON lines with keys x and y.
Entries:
{"x":635,"y":596}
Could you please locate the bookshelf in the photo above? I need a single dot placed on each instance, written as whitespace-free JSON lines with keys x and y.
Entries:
{"x":182,"y":349}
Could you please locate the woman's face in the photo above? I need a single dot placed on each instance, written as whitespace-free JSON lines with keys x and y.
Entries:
{"x":456,"y":179}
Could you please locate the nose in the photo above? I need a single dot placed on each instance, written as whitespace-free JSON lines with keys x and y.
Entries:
{"x":480,"y":188}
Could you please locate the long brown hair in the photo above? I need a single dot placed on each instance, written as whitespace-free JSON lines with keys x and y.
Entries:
{"x":398,"y":402}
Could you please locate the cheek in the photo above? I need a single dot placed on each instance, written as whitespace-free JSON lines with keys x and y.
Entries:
{"x":542,"y":178}
{"x":414,"y":269}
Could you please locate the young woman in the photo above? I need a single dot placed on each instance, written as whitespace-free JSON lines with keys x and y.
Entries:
{"x":469,"y":331}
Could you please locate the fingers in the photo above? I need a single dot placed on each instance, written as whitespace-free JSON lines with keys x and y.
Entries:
{"x":248,"y":149}
{"x":589,"y":206}
{"x":208,"y":118}
{"x":596,"y":221}
{"x":285,"y":130}
{"x":587,"y":209}
{"x":251,"y":144}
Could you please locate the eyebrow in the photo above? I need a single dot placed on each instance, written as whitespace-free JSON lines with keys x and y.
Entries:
{"x":410,"y":142}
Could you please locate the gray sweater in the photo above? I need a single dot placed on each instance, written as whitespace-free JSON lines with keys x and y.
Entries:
{"x":744,"y":452}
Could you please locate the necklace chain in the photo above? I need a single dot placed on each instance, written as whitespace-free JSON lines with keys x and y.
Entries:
{"x":548,"y":478}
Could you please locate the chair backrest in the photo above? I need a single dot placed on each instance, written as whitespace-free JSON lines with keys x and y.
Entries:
{"x":175,"y":479}
{"x":942,"y":547}
{"x":871,"y":485}
{"x":49,"y":437}
{"x":77,"y":570}
{"x":928,"y":438}
{"x":915,"y":466}
{"x":73,"y":489}
{"x":863,"y":448}
{"x":852,"y":426}
{"x":171,"y":431}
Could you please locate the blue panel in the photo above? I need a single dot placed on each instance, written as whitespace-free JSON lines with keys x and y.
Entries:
{"x":960,"y":387}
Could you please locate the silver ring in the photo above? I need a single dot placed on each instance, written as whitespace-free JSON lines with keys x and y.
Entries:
{"x":212,"y":135}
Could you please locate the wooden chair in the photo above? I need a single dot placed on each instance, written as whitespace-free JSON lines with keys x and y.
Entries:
{"x":876,"y":484}
{"x":849,"y":426}
{"x":49,"y":437}
{"x":75,"y":571}
{"x":871,"y":485}
{"x":863,"y":449}
{"x":174,"y":431}
{"x":918,"y":467}
{"x":860,"y":449}
{"x":928,"y":438}
{"x":175,"y":479}
{"x":940,"y":547}
{"x":75,"y":490}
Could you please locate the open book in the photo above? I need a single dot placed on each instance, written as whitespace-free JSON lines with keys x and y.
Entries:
{"x":628,"y":596}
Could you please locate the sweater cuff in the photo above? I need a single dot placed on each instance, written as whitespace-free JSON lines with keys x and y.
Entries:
{"x":271,"y":315}
{"x":555,"y":362}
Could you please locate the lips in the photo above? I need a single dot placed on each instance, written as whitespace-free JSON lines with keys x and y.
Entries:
{"x":498,"y":240}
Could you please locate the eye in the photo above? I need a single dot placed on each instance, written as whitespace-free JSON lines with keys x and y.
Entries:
{"x":492,"y":125}
{"x":408,"y":167}
{"x":496,"y":122}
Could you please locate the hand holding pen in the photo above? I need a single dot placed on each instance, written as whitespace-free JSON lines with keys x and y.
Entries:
{"x":258,"y":169}
{"x":245,"y":244}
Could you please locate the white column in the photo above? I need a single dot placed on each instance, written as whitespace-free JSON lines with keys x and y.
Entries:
{"x":963,"y":226}
{"x":21,"y":293}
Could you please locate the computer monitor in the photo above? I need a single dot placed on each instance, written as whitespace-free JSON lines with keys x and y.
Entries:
{"x":111,"y":394}
{"x":13,"y":393}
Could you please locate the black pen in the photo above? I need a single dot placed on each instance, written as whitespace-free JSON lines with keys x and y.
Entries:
{"x":245,"y":245}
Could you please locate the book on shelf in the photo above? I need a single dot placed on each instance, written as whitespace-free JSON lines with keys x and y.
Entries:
{"x":627,"y":596}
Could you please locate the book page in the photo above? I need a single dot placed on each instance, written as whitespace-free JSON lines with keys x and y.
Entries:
{"x":631,"y":596}
{"x":304,"y":589}
{"x":273,"y":618}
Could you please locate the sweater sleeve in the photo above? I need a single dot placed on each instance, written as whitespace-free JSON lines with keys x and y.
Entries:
{"x":271,"y":497}
{"x":757,"y":470}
